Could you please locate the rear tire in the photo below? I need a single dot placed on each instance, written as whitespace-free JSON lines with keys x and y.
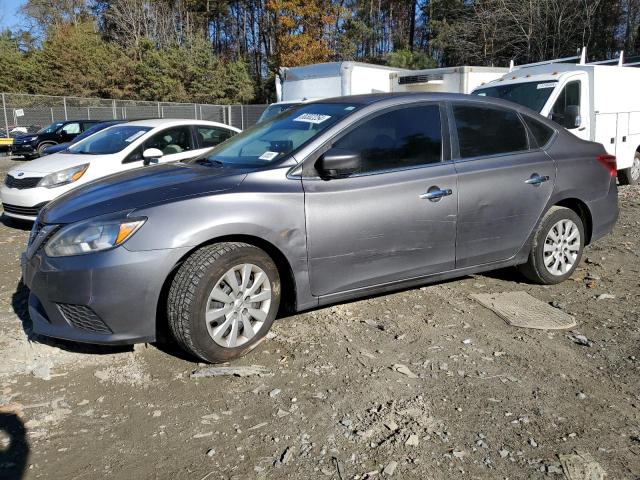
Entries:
{"x":209,"y":307}
{"x":557,"y":247}
{"x":631,"y":175}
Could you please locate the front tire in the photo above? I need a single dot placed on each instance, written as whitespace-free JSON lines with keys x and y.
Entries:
{"x":42,"y":146}
{"x":631,"y":175}
{"x":557,"y":247}
{"x":223,"y":300}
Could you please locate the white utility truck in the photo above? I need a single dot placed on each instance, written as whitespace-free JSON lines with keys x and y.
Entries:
{"x":449,"y":79}
{"x":594,"y":101}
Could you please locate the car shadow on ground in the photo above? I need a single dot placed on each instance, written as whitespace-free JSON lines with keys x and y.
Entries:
{"x":23,"y":225}
{"x":14,"y":446}
{"x":20,"y":302}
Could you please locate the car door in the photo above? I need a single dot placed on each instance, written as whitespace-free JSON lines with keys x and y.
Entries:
{"x":175,"y":143}
{"x":504,"y":183}
{"x":571,"y":100}
{"x":379,"y":225}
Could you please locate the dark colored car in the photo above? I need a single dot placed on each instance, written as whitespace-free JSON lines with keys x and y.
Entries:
{"x":88,"y":132}
{"x":33,"y":145}
{"x":326,"y":202}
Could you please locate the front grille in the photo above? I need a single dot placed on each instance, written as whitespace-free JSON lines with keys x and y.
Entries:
{"x":26,"y":211}
{"x":21,"y":183}
{"x":83,"y":318}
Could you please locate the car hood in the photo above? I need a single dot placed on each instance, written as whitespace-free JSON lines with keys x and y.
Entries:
{"x":56,"y":162}
{"x":139,"y":188}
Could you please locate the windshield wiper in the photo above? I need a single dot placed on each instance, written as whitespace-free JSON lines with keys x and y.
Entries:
{"x":205,"y":161}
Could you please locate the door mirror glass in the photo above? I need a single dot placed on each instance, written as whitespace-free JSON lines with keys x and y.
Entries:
{"x":338,"y":163}
{"x":151,"y":155}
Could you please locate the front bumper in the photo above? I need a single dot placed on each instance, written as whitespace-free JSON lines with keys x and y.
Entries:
{"x":23,"y":149}
{"x":26,"y":203}
{"x":108,"y":297}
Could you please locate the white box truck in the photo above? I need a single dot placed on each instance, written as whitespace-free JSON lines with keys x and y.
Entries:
{"x":295,"y":85}
{"x":594,"y":101}
{"x":449,"y":79}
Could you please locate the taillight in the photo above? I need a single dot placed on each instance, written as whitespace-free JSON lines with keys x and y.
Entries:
{"x":609,"y":161}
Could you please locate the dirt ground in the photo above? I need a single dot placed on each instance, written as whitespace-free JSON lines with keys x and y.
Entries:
{"x":476,"y":398}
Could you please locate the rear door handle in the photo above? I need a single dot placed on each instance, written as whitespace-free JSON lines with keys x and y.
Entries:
{"x":436,"y":193}
{"x":536,"y":179}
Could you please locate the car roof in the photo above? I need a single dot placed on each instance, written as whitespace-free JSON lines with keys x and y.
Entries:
{"x":371,"y":98}
{"x":175,"y":122}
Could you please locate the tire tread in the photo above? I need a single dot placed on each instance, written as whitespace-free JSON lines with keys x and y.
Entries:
{"x":183,"y":288}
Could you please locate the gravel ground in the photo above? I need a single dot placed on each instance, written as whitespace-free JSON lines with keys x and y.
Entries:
{"x":421,"y":384}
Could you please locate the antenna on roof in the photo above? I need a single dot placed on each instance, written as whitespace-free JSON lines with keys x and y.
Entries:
{"x":512,"y":65}
{"x":621,"y":59}
{"x":583,"y":56}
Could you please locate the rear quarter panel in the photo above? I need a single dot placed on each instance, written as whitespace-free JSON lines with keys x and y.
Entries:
{"x":579,"y":173}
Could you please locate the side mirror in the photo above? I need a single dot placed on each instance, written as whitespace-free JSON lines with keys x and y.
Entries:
{"x":338,"y":163}
{"x":572,"y":118}
{"x":151,"y":155}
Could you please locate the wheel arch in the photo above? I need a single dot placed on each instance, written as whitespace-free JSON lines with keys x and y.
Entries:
{"x":582,"y":210}
{"x":288,"y":302}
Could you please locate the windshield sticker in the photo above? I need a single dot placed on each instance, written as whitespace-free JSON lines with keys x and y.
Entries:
{"x":268,"y":155}
{"x":315,"y":118}
{"x":135,"y":136}
{"x":547,"y":85}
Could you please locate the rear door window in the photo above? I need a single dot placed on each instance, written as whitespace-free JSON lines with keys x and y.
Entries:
{"x":401,"y":138}
{"x":541,"y":133}
{"x":486,"y":131}
{"x":211,"y":136}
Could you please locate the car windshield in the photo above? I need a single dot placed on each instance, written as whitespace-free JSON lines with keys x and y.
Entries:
{"x":530,"y":94}
{"x":110,"y":140}
{"x":272,"y":139}
{"x":51,"y":128}
{"x":90,"y":131}
{"x":275,"y":109}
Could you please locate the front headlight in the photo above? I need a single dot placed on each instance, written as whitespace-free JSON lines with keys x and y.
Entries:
{"x":63,"y":177}
{"x":91,"y":236}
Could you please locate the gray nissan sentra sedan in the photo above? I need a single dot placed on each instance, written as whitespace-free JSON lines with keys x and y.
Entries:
{"x":326,"y":202}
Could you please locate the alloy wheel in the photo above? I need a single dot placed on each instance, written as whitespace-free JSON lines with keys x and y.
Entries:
{"x":635,"y":168}
{"x":238,"y":305}
{"x":561,"y":247}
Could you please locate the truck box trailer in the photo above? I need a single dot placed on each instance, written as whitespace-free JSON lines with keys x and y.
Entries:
{"x":594,"y":101}
{"x":334,"y":79}
{"x":451,"y":79}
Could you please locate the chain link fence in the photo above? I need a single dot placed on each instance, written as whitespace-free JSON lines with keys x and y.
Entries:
{"x":36,"y":111}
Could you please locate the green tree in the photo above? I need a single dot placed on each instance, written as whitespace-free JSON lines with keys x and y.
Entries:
{"x":76,"y":61}
{"x":412,"y":60}
{"x":19,"y":68}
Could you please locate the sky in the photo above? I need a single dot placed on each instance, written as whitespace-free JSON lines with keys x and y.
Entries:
{"x":9,"y":17}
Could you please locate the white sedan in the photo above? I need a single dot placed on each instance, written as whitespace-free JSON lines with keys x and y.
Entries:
{"x":115,"y":149}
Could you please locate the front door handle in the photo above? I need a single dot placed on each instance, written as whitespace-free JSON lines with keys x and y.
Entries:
{"x":436,"y":193}
{"x":536,"y":179}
